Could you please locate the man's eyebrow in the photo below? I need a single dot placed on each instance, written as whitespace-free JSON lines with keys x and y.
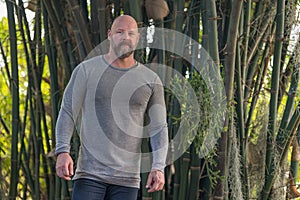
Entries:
{"x":130,"y":31}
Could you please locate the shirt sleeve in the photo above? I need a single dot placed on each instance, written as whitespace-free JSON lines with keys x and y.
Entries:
{"x":157,"y":127}
{"x":69,"y":113}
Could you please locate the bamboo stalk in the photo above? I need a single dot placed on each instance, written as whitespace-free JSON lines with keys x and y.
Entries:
{"x":54,"y":96}
{"x":95,"y":24}
{"x":205,"y":187}
{"x":33,"y":85}
{"x":177,"y":62}
{"x":50,"y":52}
{"x":241,"y":124}
{"x":14,"y":84}
{"x":229,"y":67}
{"x":85,"y":11}
{"x":221,"y":159}
{"x":135,"y":10}
{"x":268,"y":17}
{"x":184,"y":175}
{"x":81,"y":25}
{"x":37,"y":74}
{"x":24,"y":156}
{"x":45,"y":147}
{"x":176,"y":181}
{"x":169,"y":21}
{"x":193,"y":193}
{"x":102,"y":20}
{"x":212,"y":31}
{"x":240,"y":109}
{"x":5,"y":61}
{"x":295,"y":158}
{"x":204,"y":20}
{"x":253,"y":66}
{"x":135,"y":7}
{"x":34,"y":118}
{"x":231,"y":48}
{"x":205,"y":190}
{"x":4,"y":125}
{"x":292,"y":91}
{"x":290,"y":130}
{"x":259,"y":8}
{"x":269,"y":170}
{"x":289,"y":20}
{"x":60,"y":36}
{"x":178,"y":65}
{"x":259,"y":81}
{"x":281,"y":139}
{"x":117,"y":8}
{"x":246,"y":30}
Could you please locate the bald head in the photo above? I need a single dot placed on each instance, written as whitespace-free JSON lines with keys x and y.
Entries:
{"x":127,"y":20}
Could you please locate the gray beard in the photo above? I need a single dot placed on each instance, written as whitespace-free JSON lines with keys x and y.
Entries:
{"x":117,"y":50}
{"x":125,"y":55}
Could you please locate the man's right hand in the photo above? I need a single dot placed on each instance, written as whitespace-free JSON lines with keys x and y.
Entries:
{"x":64,"y":166}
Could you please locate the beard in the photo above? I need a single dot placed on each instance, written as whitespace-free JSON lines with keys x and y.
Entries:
{"x":122,"y":50}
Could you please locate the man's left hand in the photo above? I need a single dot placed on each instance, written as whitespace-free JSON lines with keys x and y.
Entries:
{"x":156,"y":181}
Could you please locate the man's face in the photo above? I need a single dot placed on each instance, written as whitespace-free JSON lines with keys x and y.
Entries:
{"x":124,"y":37}
{"x":123,"y":43}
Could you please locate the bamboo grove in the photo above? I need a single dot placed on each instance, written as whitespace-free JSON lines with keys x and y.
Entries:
{"x":255,"y":45}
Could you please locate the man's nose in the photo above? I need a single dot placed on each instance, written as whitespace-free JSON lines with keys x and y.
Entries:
{"x":125,"y":35}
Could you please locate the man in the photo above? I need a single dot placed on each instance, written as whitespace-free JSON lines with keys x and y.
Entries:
{"x":115,"y":99}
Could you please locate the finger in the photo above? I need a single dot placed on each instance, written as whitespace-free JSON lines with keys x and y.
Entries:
{"x":71,"y":171}
{"x":63,"y":173}
{"x":157,"y":186}
{"x":154,"y":187}
{"x":161,"y":186}
{"x":59,"y":172}
{"x":149,"y":181}
{"x":66,"y":177}
{"x":151,"y":190}
{"x":67,"y":173}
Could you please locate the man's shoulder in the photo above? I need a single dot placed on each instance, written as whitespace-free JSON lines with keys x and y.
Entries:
{"x":93,"y":64}
{"x":147,"y":70}
{"x":91,"y":67}
{"x":96,"y":60}
{"x":149,"y":73}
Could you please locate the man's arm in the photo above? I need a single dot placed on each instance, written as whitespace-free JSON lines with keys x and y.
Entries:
{"x":158,"y":137}
{"x":70,"y":109}
{"x":159,"y":145}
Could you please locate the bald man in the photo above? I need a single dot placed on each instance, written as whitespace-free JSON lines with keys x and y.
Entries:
{"x":117,"y":101}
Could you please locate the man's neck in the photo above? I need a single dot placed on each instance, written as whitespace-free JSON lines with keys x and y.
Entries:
{"x":120,"y":63}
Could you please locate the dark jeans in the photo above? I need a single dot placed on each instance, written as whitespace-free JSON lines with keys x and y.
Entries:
{"x":95,"y":190}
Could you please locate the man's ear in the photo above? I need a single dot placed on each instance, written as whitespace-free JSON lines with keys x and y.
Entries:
{"x":108,"y":34}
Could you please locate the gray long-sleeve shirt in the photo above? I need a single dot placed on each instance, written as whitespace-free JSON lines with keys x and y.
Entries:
{"x":109,"y":106}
